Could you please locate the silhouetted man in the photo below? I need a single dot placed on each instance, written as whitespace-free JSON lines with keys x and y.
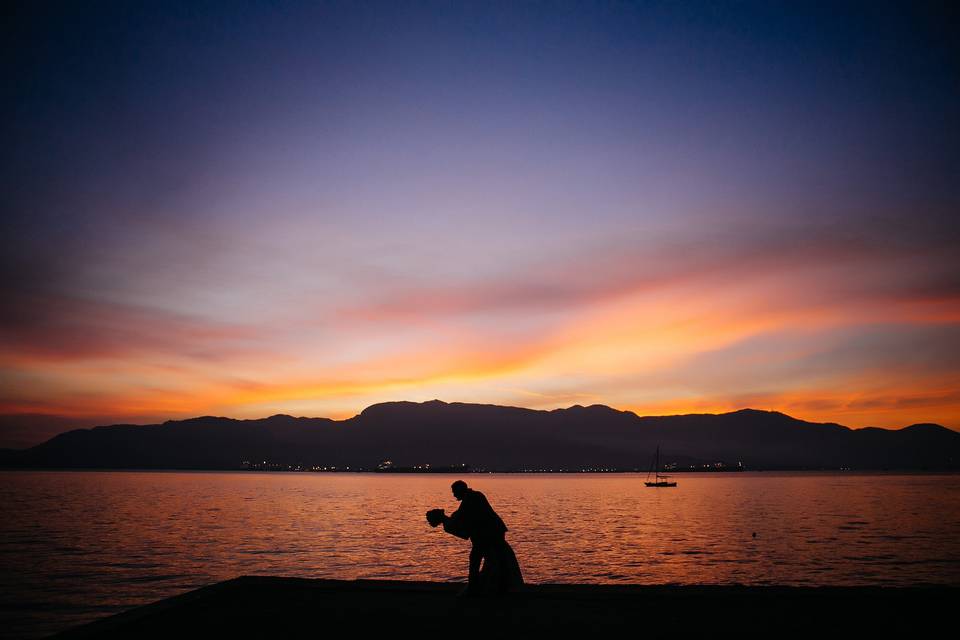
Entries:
{"x":475,"y":519}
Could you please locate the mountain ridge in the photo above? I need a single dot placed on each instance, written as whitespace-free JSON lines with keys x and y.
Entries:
{"x":497,"y":437}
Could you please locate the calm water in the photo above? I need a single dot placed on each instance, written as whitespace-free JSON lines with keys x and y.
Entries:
{"x":75,"y":546}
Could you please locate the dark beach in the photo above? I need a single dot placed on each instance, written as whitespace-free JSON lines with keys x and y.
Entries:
{"x":254,"y":605}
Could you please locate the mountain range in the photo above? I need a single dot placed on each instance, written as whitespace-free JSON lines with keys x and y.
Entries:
{"x":496,"y":437}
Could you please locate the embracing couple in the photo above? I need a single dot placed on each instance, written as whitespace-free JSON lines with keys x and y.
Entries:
{"x":476,"y":520}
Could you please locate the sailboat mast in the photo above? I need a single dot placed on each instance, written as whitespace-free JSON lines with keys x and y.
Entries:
{"x":659,"y":480}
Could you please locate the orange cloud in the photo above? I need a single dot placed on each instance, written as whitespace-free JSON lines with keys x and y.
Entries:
{"x":628,"y":331}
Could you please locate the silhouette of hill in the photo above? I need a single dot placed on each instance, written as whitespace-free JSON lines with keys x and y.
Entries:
{"x":497,"y":438}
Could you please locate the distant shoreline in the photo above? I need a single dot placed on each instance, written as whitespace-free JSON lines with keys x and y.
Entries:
{"x":745,"y":473}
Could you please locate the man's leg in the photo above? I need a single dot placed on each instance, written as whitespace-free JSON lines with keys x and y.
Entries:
{"x":473,"y":578}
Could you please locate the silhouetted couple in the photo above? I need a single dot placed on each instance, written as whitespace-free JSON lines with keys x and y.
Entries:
{"x":475,"y":519}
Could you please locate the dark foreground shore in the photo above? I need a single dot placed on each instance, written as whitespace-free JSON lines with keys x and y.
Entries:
{"x":251,"y":605}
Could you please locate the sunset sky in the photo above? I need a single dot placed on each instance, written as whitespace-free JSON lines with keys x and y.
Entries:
{"x":245,"y":209}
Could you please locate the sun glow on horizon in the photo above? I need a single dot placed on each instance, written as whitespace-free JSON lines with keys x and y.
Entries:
{"x":312,"y":208}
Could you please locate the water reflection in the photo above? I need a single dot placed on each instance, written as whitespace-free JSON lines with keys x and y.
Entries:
{"x":76,"y":545}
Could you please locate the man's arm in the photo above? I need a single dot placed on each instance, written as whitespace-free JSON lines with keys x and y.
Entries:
{"x":456,"y":515}
{"x":457,"y":524}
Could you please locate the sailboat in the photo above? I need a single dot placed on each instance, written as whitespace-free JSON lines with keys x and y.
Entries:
{"x":657,"y":475}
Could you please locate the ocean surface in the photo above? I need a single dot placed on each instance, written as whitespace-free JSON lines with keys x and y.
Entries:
{"x":78,"y":545}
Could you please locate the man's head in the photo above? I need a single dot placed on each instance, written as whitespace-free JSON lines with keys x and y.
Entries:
{"x":459,"y":489}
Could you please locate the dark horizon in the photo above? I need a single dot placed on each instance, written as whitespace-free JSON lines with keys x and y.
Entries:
{"x":493,"y":437}
{"x":16,"y":429}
